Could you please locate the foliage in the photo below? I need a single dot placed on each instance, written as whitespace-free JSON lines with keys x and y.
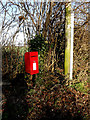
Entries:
{"x":80,"y":68}
{"x":13,"y":60}
{"x":14,"y":91}
{"x":37,"y":44}
{"x":50,"y":100}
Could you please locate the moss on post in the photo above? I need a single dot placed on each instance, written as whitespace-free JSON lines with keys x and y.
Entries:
{"x":68,"y":40}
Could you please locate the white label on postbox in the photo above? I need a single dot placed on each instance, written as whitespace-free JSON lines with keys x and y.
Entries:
{"x":34,"y":66}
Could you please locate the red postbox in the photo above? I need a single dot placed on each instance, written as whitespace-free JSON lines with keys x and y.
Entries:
{"x":31,"y":62}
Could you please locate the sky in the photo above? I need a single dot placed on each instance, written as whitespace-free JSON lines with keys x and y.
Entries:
{"x":19,"y":39}
{"x":51,"y":0}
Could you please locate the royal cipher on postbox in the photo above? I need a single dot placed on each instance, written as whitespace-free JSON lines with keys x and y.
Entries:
{"x":31,"y":62}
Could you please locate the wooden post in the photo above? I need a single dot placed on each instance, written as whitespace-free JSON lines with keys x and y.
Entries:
{"x":71,"y":51}
{"x":68,"y":40}
{"x":33,"y":80}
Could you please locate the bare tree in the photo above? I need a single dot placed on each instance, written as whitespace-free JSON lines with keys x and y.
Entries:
{"x":46,"y":18}
{"x":81,"y":43}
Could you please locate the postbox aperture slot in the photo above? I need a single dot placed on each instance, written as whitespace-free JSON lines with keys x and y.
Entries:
{"x":33,"y":56}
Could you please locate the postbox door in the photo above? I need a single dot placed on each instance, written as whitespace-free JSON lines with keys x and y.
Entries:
{"x":34,"y":64}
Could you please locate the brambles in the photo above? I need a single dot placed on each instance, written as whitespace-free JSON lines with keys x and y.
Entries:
{"x":51,"y":100}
